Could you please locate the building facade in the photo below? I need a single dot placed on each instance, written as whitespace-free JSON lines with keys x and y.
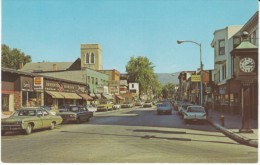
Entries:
{"x":227,"y":92}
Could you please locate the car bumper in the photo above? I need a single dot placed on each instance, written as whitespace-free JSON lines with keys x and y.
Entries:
{"x":11,"y":127}
{"x":194,"y":118}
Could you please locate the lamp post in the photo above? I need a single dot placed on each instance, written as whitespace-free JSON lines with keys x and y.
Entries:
{"x":201,"y":68}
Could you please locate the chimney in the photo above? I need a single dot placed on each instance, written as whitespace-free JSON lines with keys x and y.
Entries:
{"x":20,"y":65}
{"x":54,"y":67}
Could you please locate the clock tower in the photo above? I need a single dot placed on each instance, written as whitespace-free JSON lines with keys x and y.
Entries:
{"x":245,"y":70}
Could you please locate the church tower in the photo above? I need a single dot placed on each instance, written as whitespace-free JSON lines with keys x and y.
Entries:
{"x":91,"y":56}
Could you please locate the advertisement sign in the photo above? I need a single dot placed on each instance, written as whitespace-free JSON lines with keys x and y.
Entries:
{"x":26,"y":83}
{"x":38,"y":83}
{"x":195,"y":78}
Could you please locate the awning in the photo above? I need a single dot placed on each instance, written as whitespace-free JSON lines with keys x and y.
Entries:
{"x":55,"y":95}
{"x":85,"y":96}
{"x":107,"y":96}
{"x":120,"y":97}
{"x":70,"y":95}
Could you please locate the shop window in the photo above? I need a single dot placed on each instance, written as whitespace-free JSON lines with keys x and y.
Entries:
{"x":5,"y":102}
{"x":31,"y":99}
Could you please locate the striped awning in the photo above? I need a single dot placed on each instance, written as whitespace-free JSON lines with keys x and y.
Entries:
{"x":70,"y":95}
{"x":85,"y":96}
{"x":55,"y":95}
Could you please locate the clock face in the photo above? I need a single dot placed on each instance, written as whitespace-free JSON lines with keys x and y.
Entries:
{"x":247,"y":64}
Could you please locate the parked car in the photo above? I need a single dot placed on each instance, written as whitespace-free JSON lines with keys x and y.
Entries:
{"x":75,"y":113}
{"x":29,"y":119}
{"x":116,"y":106}
{"x":139,"y":103}
{"x":194,"y":113}
{"x":127,"y":105}
{"x":147,"y":104}
{"x":164,"y":107}
{"x":105,"y":105}
{"x":183,"y":107}
{"x":50,"y":109}
{"x":91,"y":107}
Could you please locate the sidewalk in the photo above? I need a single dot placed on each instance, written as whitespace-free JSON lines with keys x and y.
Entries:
{"x":232,"y":124}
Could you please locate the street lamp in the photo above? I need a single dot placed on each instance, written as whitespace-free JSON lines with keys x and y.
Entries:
{"x":201,"y":68}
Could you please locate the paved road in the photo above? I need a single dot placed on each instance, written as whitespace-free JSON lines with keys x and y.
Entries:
{"x":127,"y":136}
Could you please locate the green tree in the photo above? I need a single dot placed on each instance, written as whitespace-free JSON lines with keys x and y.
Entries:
{"x":168,"y":90}
{"x":13,"y":58}
{"x":141,"y":70}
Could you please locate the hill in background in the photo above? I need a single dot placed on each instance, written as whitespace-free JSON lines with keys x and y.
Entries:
{"x":165,"y":78}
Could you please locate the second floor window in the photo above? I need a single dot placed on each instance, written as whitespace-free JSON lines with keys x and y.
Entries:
{"x":221,"y":50}
{"x":224,"y":72}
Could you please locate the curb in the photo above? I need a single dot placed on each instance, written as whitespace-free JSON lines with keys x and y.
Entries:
{"x":238,"y":138}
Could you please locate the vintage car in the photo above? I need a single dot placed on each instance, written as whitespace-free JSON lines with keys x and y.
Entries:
{"x":194,"y":113}
{"x":127,"y":105}
{"x":75,"y":113}
{"x":116,"y":106}
{"x":105,"y":105}
{"x":147,"y":104}
{"x":29,"y":119}
{"x":91,"y":107}
{"x":164,"y":107}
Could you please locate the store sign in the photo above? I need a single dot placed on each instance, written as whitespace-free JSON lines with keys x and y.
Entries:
{"x":27,"y":83}
{"x":63,"y":87}
{"x":38,"y":83}
{"x":195,"y":78}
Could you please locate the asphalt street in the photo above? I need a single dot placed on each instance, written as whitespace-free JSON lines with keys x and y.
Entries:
{"x":135,"y":135}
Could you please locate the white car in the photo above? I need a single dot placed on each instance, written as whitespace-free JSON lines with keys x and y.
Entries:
{"x":91,"y":108}
{"x":147,"y":104}
{"x":116,"y":106}
{"x":183,"y":108}
{"x":194,"y":113}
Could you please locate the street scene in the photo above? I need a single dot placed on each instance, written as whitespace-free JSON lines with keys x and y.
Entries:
{"x":129,"y":81}
{"x":128,"y":135}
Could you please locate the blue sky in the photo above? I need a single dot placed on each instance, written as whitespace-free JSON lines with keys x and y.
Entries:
{"x":52,"y":30}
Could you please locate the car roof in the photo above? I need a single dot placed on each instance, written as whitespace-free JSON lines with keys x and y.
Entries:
{"x":31,"y":108}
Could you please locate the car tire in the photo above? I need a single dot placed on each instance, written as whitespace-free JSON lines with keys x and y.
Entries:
{"x":28,"y":129}
{"x":78,"y":120}
{"x":52,"y":125}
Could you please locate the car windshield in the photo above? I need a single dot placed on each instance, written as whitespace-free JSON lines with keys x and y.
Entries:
{"x":195,"y":109}
{"x":25,"y":113}
{"x":185,"y":106}
{"x":74,"y":109}
{"x":165,"y":104}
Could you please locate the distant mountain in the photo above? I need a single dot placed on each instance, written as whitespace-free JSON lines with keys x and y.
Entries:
{"x":165,"y":78}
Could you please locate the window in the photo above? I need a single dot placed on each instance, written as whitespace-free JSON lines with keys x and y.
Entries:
{"x":221,"y":50}
{"x":223,"y":71}
{"x":236,"y":42}
{"x":133,"y":85}
{"x":92,"y":58}
{"x":96,"y":81}
{"x":87,"y":58}
{"x":88,"y":79}
{"x":92,"y":80}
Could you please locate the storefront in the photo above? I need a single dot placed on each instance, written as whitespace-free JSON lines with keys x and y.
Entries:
{"x":60,"y":93}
